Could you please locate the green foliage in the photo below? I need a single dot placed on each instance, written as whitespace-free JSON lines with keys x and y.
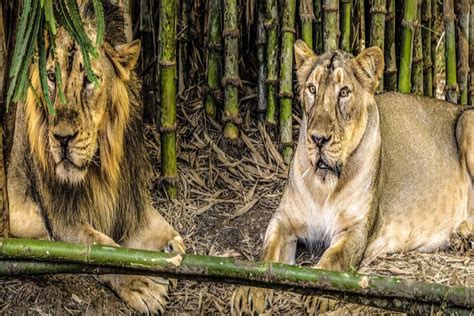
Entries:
{"x":36,"y":30}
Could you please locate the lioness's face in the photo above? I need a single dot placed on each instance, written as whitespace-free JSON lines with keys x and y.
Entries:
{"x":335,"y":90}
{"x":80,"y":124}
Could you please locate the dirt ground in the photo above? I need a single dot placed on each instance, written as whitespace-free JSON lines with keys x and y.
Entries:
{"x":227,"y":195}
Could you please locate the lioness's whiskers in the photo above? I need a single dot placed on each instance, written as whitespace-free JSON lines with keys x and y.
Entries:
{"x":305,"y":173}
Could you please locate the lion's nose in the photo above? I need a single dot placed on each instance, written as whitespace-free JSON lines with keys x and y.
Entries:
{"x":320,"y":139}
{"x":64,"y":137}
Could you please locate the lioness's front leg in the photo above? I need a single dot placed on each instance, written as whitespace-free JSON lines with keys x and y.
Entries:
{"x":279,"y":246}
{"x":345,"y":252}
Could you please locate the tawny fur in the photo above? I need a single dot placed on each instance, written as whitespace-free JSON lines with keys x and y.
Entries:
{"x":83,"y":174}
{"x":371,"y":174}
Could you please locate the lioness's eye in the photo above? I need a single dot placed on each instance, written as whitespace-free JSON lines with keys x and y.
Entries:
{"x":51,"y":76}
{"x":344,"y":92}
{"x":312,"y":89}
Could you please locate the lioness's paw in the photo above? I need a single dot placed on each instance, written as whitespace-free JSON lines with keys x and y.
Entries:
{"x":463,"y":239}
{"x":317,"y":305}
{"x":145,"y":295}
{"x":251,"y":301}
{"x":175,"y":245}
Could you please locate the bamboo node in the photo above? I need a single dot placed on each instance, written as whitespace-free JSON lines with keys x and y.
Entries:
{"x":169,"y":180}
{"x":288,"y":30}
{"x":285,"y":95}
{"x":168,"y":129}
{"x":271,"y":82}
{"x":410,"y":24}
{"x":167,"y":63}
{"x":448,"y":17}
{"x":216,"y":93}
{"x":380,"y":10}
{"x":328,"y":8}
{"x":231,"y":33}
{"x":237,"y":120}
{"x":214,"y":47}
{"x":269,"y":25}
{"x":452,"y":87}
{"x":231,"y":81}
{"x":307,"y":17}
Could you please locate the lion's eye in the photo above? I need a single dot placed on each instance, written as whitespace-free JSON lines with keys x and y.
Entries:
{"x":51,"y":76}
{"x":344,"y":92}
{"x":312,"y":89}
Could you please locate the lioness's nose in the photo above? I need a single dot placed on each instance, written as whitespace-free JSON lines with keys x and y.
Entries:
{"x":64,"y":137}
{"x":320,"y":139}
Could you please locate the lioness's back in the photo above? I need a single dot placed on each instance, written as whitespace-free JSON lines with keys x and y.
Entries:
{"x":422,"y":183}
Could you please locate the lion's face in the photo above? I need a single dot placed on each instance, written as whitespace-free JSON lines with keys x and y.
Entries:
{"x":88,"y":128}
{"x":335,"y":89}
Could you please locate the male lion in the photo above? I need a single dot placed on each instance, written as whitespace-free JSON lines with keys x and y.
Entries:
{"x":82,"y":175}
{"x":371,"y":174}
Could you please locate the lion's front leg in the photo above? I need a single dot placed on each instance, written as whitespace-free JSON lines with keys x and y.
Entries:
{"x":344,"y":253}
{"x":147,"y":294}
{"x":279,"y":246}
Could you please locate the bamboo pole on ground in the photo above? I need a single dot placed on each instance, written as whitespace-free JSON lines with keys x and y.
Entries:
{"x":390,"y":51}
{"x":471,"y":55}
{"x":462,"y":13}
{"x":318,"y":27}
{"x":214,"y":50}
{"x":409,"y":23}
{"x":331,"y":24}
{"x":426,"y":19}
{"x":271,"y":50}
{"x":417,"y":61}
{"x":389,"y":293}
{"x":261,"y":40}
{"x":231,"y":80}
{"x":378,"y":11}
{"x":168,"y":95}
{"x":346,"y":25}
{"x":307,"y":19}
{"x":286,"y":79}
{"x":449,"y":28}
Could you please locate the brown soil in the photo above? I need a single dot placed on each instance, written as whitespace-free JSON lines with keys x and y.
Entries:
{"x":227,"y":195}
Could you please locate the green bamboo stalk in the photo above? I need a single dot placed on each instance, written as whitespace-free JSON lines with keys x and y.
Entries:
{"x":390,"y":48}
{"x":417,"y":61}
{"x":451,"y":84}
{"x":318,"y":27}
{"x":471,"y":54}
{"x":331,"y":24}
{"x":262,"y":72}
{"x":231,"y":80}
{"x":271,"y":26}
{"x":168,"y":95}
{"x":426,"y":18}
{"x":462,"y":14}
{"x":409,"y":22}
{"x":214,"y":49}
{"x":346,"y":24}
{"x":286,"y":79}
{"x":394,"y":293}
{"x":359,"y":26}
{"x":307,"y":19}
{"x":377,"y":28}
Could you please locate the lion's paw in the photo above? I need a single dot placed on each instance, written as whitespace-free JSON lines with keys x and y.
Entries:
{"x":145,"y":295}
{"x":175,"y":245}
{"x":317,"y":305}
{"x":251,"y":301}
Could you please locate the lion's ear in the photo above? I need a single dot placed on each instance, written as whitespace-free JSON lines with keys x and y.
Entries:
{"x":124,"y":58}
{"x":302,"y":53}
{"x":368,"y":67}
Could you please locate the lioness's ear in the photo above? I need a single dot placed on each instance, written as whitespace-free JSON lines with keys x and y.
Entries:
{"x":368,"y":67}
{"x":124,"y":58}
{"x":302,"y":53}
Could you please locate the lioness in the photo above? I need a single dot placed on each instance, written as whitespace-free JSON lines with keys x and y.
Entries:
{"x":371,"y":174}
{"x":82,"y":175}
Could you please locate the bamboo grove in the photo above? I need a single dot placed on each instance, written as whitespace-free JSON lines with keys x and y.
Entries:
{"x":231,"y":47}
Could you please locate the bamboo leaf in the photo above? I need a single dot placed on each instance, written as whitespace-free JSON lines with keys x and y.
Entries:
{"x":42,"y":70}
{"x":100,"y":21}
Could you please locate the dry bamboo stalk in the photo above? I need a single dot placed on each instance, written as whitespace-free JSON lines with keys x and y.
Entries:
{"x":417,"y":61}
{"x":286,"y":79}
{"x":231,"y":80}
{"x":331,"y":24}
{"x":426,"y":19}
{"x":318,"y":27}
{"x":471,"y":55}
{"x":390,"y":48}
{"x":378,"y":11}
{"x":462,"y":13}
{"x":261,"y":40}
{"x":449,"y":28}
